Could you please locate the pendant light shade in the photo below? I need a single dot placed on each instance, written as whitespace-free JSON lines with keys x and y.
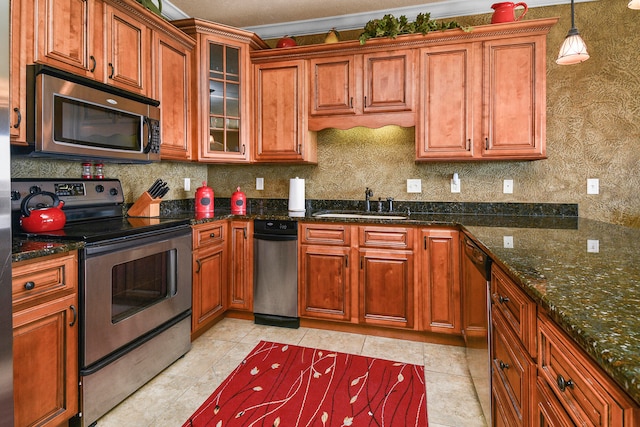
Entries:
{"x":573,"y":49}
{"x":634,"y":4}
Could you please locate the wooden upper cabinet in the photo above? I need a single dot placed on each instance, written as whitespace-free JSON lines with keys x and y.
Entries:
{"x":445,"y":124}
{"x":514,"y":99}
{"x":128,"y":52}
{"x":281,"y":114}
{"x":355,"y":86}
{"x":172,"y":80}
{"x":67,"y":34}
{"x":221,"y":90}
{"x":17,"y":73}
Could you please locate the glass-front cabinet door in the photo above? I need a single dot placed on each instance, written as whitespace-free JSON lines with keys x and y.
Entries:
{"x":224,"y":100}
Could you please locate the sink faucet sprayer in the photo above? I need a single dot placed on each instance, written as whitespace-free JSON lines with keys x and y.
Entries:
{"x":367,"y":203}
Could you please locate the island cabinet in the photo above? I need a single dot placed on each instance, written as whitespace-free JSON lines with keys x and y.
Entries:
{"x":484,"y":98}
{"x":221,"y":90}
{"x":324,"y":273}
{"x":513,"y":350}
{"x":45,"y":340}
{"x":351,"y":90}
{"x":209,"y":293}
{"x":241,"y":265}
{"x":440,"y":281}
{"x":280,"y":109}
{"x":572,"y":389}
{"x":386,"y":288}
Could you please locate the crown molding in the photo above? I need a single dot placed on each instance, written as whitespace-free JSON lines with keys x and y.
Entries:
{"x":439,"y":10}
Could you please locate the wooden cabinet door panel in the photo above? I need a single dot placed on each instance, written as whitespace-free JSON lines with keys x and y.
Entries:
{"x":333,"y":86}
{"x":45,"y":367}
{"x":388,"y":81}
{"x":326,"y":286}
{"x":172,"y":79}
{"x":63,"y":37}
{"x":514,"y":97}
{"x":17,"y":71}
{"x":128,"y":50}
{"x":445,"y":126}
{"x":441,"y":281}
{"x":209,"y":290}
{"x":386,"y":288}
{"x":241,"y":266}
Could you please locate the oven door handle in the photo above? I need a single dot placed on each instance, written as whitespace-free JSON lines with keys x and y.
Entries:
{"x":75,"y":315}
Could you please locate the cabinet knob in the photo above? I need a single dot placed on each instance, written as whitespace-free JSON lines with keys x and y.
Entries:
{"x":563,"y":384}
{"x":29,"y":285}
{"x":503,"y":299}
{"x":503,"y":365}
{"x":212,"y":235}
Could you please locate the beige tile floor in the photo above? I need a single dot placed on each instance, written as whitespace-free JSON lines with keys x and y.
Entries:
{"x":170,"y":398}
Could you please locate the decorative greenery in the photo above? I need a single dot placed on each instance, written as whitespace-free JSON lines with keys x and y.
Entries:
{"x":390,"y":26}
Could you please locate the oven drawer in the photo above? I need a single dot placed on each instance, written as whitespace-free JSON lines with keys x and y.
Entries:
{"x":43,"y":279}
{"x":587,"y":394}
{"x":208,"y":234}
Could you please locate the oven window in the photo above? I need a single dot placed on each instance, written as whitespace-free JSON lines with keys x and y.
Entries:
{"x":141,"y":283}
{"x":81,"y":123}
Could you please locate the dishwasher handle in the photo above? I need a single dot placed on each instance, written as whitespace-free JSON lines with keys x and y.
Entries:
{"x":480,"y":259}
{"x":275,"y":237}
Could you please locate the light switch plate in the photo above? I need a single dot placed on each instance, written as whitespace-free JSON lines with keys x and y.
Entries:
{"x":593,"y":186}
{"x":455,"y":187}
{"x":259,"y":183}
{"x":414,"y":186}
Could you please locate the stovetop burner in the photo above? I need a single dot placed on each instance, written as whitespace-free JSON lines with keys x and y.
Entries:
{"x":94,"y":210}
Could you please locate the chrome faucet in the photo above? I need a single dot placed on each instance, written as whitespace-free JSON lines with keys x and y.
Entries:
{"x":367,"y":203}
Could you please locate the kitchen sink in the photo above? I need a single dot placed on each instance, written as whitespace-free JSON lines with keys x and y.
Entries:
{"x":360,"y":215}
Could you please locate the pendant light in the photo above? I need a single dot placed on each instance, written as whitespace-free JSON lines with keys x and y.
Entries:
{"x":573,"y":49}
{"x":634,"y":4}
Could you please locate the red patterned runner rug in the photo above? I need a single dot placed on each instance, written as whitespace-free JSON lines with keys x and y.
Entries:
{"x":287,"y":385}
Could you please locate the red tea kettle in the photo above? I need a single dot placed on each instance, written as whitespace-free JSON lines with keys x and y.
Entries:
{"x":238,"y":203}
{"x":506,"y":12}
{"x":42,"y":217}
{"x":204,"y":199}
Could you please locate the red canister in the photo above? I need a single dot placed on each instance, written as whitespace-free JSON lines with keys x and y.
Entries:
{"x":238,"y":203}
{"x":204,"y":199}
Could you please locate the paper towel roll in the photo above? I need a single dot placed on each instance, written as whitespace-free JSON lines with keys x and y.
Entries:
{"x":296,"y":196}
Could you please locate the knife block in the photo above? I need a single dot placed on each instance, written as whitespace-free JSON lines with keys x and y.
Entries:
{"x":145,"y":206}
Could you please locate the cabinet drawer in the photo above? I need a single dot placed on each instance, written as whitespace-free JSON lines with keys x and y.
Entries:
{"x":208,"y":234}
{"x":43,"y":279}
{"x":513,"y":368}
{"x":588,"y":395}
{"x":549,"y":411}
{"x":325,"y":234}
{"x":518,"y":309}
{"x":386,"y":237}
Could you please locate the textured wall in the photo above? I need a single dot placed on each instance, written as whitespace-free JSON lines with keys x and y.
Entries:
{"x":593,"y":131}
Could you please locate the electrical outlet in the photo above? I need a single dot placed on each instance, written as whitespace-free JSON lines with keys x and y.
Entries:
{"x":259,"y":183}
{"x":507,"y":242}
{"x":593,"y":246}
{"x":593,"y":186}
{"x":187,"y":184}
{"x":507,"y":187}
{"x":414,"y":186}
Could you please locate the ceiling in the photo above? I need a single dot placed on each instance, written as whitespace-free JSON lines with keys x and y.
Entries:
{"x":275,"y":18}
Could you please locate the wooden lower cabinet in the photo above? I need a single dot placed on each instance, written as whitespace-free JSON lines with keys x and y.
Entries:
{"x":241,"y":265}
{"x":209,"y":299}
{"x":440,"y":284}
{"x":584,"y":395}
{"x":45,"y":340}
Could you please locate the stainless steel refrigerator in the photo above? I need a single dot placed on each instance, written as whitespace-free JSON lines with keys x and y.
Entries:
{"x":6,"y":340}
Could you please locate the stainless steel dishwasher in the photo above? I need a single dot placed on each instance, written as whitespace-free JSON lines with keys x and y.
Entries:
{"x":275,"y":285}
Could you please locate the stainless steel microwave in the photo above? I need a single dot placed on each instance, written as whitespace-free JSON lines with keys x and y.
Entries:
{"x":76,"y":118}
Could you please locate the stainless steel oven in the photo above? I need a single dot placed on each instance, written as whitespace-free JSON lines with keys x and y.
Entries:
{"x":134,"y":288}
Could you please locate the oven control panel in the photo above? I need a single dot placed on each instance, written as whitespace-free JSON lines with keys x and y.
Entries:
{"x":74,"y":193}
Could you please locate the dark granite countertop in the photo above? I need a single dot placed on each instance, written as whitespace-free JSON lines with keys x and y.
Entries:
{"x":25,"y":249}
{"x":594,"y":297}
